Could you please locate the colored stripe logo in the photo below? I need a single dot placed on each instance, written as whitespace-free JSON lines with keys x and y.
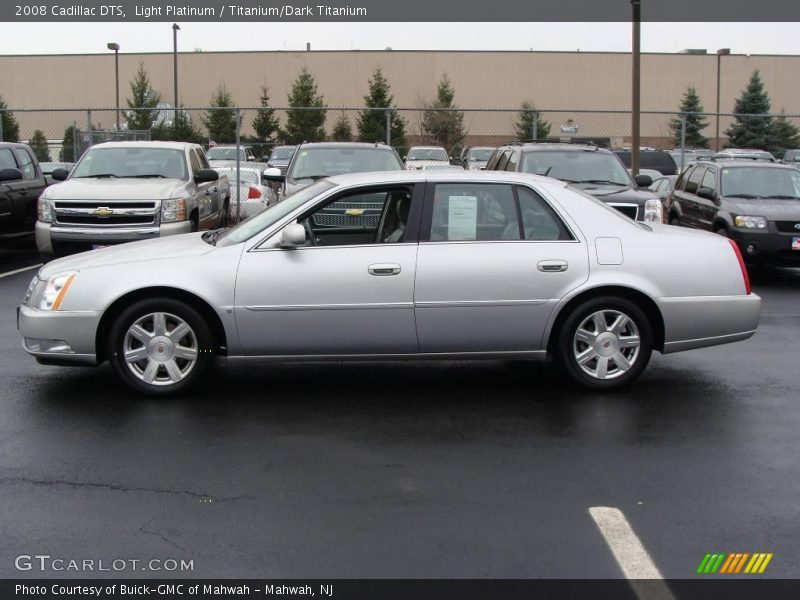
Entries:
{"x":735,"y":563}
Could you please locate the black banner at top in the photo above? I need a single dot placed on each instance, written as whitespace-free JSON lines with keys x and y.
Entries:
{"x":293,"y":11}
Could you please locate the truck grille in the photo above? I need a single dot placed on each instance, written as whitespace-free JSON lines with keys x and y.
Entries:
{"x":338,"y":215}
{"x":788,"y":226}
{"x":629,"y":210}
{"x":106,"y":213}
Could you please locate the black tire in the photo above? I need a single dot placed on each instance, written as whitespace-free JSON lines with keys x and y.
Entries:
{"x":195,"y":220}
{"x":199,"y":338}
{"x":566,"y":345}
{"x":721,"y":231}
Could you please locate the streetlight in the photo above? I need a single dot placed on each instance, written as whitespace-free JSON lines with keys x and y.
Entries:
{"x":175,"y":29}
{"x":115,"y":47}
{"x":720,"y":53}
{"x":636,"y":5}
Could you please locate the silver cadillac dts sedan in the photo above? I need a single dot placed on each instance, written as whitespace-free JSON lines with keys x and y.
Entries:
{"x":418,"y":264}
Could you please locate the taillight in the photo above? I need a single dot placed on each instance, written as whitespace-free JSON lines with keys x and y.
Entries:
{"x":253,"y":194}
{"x":745,"y":276}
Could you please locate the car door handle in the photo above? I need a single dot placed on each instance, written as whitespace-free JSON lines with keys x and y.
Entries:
{"x":384,"y":269}
{"x":552,"y":266}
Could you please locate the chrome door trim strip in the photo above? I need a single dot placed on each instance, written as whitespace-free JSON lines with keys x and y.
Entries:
{"x":395,"y":305}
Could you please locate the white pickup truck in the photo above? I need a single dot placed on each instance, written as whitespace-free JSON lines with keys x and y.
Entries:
{"x":127,"y":191}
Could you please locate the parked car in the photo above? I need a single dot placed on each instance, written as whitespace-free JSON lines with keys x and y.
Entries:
{"x":49,"y":167}
{"x":21,"y":183}
{"x":222,"y":155}
{"x":743,"y":154}
{"x":253,"y":196}
{"x":663,"y":187}
{"x":476,"y":157}
{"x":455,"y":264}
{"x":128,"y":191}
{"x":279,"y":157}
{"x":791,"y":156}
{"x":690,"y":155}
{"x":650,"y":158}
{"x":419,"y":156}
{"x":595,"y":171}
{"x":756,"y":204}
{"x":311,"y":162}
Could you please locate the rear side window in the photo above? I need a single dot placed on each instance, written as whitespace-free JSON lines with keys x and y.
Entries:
{"x":693,"y":182}
{"x":511,"y":165}
{"x":493,"y":160}
{"x":501,"y":164}
{"x":539,"y":221}
{"x":7,"y":159}
{"x":474,"y":212}
{"x":25,"y":163}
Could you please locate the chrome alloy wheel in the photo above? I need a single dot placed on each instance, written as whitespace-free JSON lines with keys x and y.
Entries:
{"x":160,"y":349}
{"x":606,"y":344}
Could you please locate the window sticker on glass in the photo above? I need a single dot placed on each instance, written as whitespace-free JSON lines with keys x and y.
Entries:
{"x":462,"y":217}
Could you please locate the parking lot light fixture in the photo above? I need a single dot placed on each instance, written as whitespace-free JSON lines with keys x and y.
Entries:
{"x":115,"y":47}
{"x":175,"y":29}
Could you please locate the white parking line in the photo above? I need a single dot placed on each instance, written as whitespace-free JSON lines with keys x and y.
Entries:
{"x":22,"y":270}
{"x":630,"y":554}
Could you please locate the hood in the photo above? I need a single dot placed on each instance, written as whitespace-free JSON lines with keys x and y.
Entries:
{"x":166,"y":248}
{"x":614,"y":193}
{"x":772,"y":210}
{"x":114,"y":189}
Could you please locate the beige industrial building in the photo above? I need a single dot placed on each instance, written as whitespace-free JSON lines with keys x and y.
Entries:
{"x":578,"y":81}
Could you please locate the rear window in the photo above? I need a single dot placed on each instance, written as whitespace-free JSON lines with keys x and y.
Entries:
{"x":650,"y":159}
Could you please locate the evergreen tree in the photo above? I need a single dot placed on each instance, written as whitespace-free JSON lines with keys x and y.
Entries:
{"x":265,"y":124}
{"x":38,"y":144}
{"x":525,"y":119}
{"x":143,"y":97}
{"x":342,"y":132}
{"x":305,"y":125}
{"x":755,"y":131}
{"x":10,"y":124}
{"x":784,"y":136}
{"x":67,"y":152}
{"x":371,"y":124}
{"x":441,"y":121}
{"x":221,"y":121}
{"x":695,"y":123}
{"x":183,"y":130}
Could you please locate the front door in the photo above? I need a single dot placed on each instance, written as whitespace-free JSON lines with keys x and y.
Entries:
{"x":349,"y":290}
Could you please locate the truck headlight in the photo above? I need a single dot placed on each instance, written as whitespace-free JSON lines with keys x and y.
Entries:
{"x":173,"y":210}
{"x":52,"y":294}
{"x":44,"y":210}
{"x":749,"y":222}
{"x":653,"y":212}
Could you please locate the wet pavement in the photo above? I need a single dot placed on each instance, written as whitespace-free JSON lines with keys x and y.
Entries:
{"x":383,"y":470}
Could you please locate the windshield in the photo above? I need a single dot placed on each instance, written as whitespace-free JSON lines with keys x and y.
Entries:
{"x":135,"y":161}
{"x":220,"y":153}
{"x":282,"y":153}
{"x":258,"y":223}
{"x":427,"y":154}
{"x":577,"y":166}
{"x":316,"y":163}
{"x":245,"y":175}
{"x":761,"y":182}
{"x":480,"y":154}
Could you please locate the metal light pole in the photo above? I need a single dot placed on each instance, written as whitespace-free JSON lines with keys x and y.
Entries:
{"x":636,"y":100}
{"x":115,"y":47}
{"x":720,"y":53}
{"x":175,"y":29}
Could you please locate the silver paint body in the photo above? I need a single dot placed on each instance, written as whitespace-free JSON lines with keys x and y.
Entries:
{"x":456,"y":298}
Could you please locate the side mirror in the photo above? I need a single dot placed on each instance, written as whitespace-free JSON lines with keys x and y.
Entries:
{"x":405,"y":156}
{"x":203,"y":176}
{"x":293,"y":235}
{"x":706,"y":193}
{"x":10,"y":174}
{"x":644,"y":180}
{"x":274,"y":174}
{"x":59,"y":174}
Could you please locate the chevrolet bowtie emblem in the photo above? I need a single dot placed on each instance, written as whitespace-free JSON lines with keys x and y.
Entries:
{"x":103,"y":212}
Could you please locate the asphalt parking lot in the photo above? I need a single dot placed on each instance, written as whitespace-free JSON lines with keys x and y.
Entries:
{"x":424,"y":470}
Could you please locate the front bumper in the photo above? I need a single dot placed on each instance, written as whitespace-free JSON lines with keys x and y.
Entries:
{"x":772,"y":248}
{"x":54,"y":239}
{"x":77,"y":329}
{"x":700,"y":321}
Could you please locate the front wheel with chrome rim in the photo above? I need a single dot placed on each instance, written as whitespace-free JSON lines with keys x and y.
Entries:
{"x":605,"y":342}
{"x":160,"y":346}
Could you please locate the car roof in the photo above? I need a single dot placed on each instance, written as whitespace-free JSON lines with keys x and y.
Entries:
{"x":426,"y":148}
{"x":442,"y":175}
{"x":553,"y":146}
{"x":173,"y":145}
{"x":736,"y":162}
{"x":305,"y":145}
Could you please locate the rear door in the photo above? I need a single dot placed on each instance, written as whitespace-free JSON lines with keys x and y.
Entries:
{"x":687,"y":196}
{"x":493,"y":261}
{"x":706,"y":210}
{"x":13,"y":194}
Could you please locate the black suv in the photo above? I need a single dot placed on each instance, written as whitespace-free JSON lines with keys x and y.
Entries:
{"x":595,"y":171}
{"x":756,"y":203}
{"x":21,"y":183}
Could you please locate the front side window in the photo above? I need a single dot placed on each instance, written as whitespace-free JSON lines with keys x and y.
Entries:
{"x":25,"y":163}
{"x":474,"y":212}
{"x":709,"y":180}
{"x":134,"y":161}
{"x":7,"y":159}
{"x":693,"y":182}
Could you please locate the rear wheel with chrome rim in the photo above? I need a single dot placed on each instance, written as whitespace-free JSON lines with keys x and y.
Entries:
{"x":605,"y":343}
{"x":160,"y":346}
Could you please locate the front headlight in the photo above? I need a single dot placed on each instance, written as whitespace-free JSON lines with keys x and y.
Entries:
{"x":653,"y":212}
{"x":749,"y":222}
{"x":44,"y":210}
{"x":54,"y":291}
{"x":173,"y":210}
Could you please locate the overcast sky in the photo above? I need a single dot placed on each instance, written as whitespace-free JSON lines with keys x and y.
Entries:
{"x":742,"y":38}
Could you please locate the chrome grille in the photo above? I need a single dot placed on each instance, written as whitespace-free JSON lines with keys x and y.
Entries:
{"x":105,"y":213}
{"x":335,"y":215}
